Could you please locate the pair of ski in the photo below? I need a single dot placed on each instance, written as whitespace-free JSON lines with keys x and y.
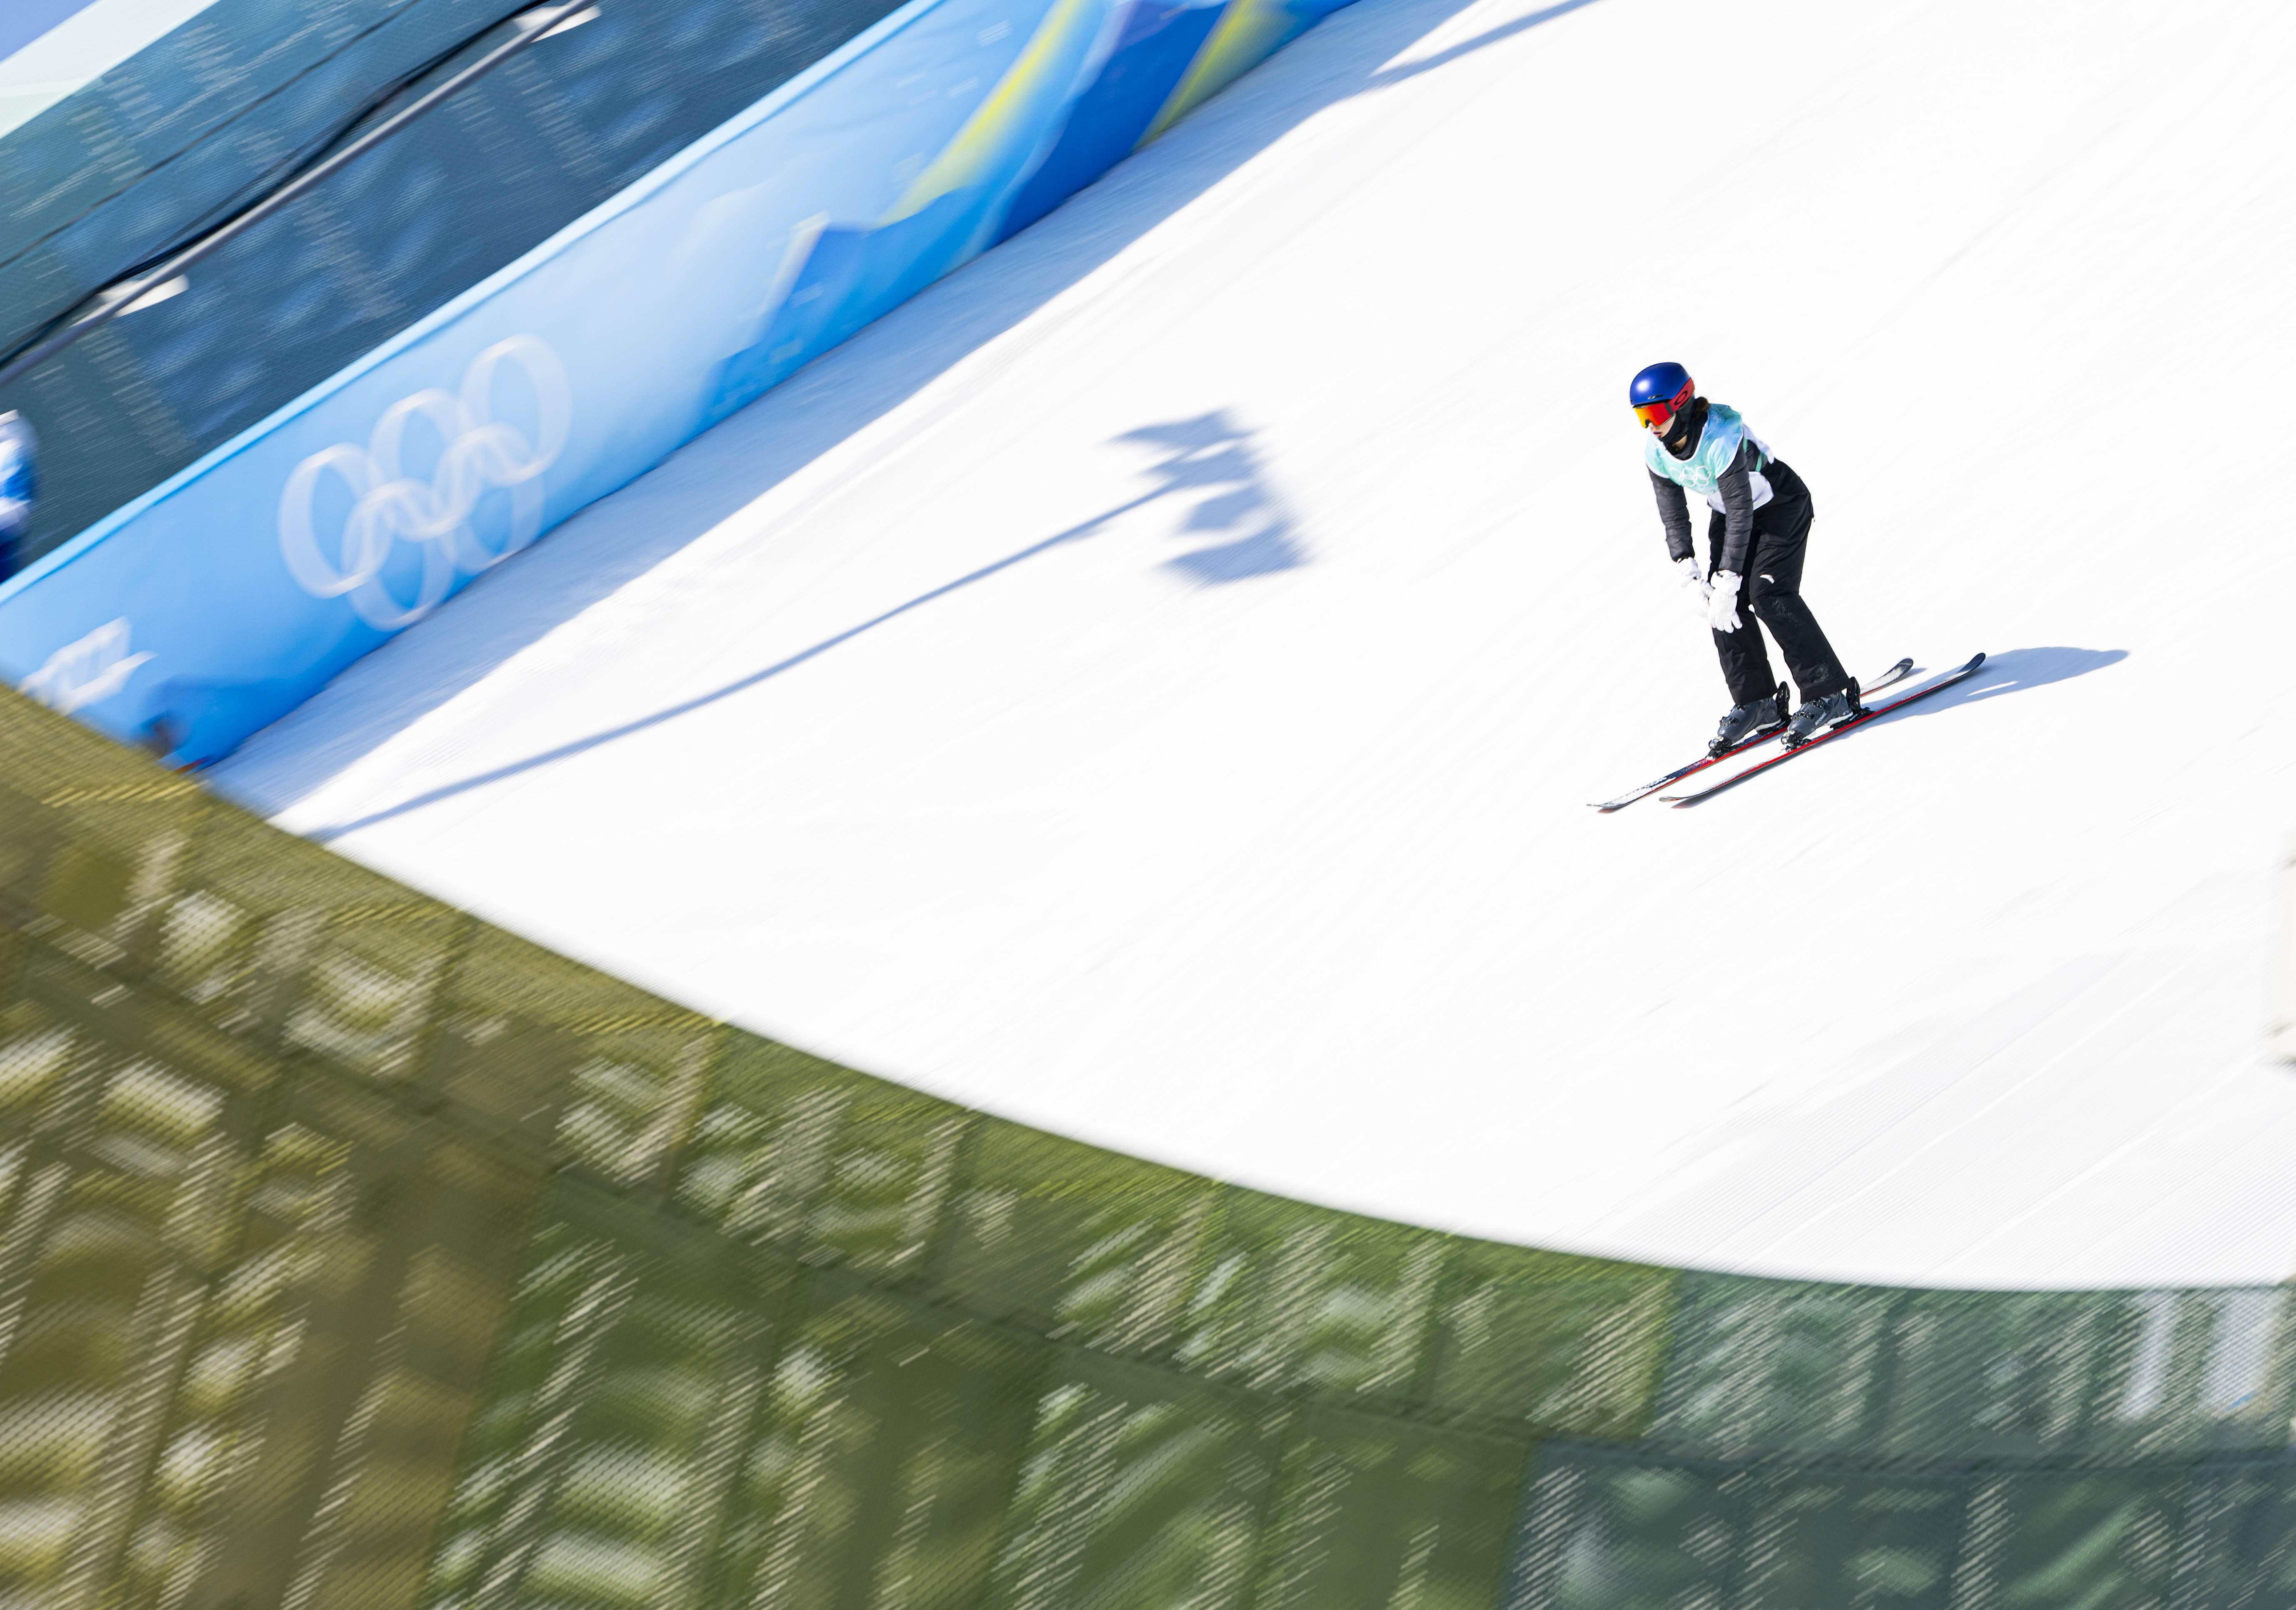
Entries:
{"x":1866,"y":712}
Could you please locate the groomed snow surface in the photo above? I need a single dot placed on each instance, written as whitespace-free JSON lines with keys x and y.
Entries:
{"x":1150,"y":685}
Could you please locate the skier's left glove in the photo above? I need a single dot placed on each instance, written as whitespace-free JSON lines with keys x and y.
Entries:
{"x":1723,"y":615}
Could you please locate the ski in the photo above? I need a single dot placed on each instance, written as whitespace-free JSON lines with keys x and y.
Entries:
{"x":1896,"y":673}
{"x":1872,"y":714}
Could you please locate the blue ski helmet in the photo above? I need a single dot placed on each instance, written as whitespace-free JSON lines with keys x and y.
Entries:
{"x":1660,"y":392}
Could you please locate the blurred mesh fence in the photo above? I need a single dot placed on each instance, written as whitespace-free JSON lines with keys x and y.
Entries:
{"x":229,"y":106}
{"x":357,"y":1253}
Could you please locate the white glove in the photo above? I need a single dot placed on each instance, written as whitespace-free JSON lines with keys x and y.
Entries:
{"x":1723,"y":615}
{"x":1701,"y":597}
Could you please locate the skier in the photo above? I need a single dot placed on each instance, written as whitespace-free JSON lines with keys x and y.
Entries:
{"x":1754,"y":539}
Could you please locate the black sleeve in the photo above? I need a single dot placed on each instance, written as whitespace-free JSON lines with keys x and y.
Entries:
{"x":1737,"y":489}
{"x":1674,"y":514}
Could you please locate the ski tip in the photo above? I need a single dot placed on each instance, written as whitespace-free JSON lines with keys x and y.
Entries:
{"x":1977,"y":662}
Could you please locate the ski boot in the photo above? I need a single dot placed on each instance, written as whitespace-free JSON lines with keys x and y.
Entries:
{"x":1823,"y":715}
{"x":1747,"y":722}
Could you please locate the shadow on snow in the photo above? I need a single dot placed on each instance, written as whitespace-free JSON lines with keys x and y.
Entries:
{"x":1203,"y":453}
{"x":2014,"y":672}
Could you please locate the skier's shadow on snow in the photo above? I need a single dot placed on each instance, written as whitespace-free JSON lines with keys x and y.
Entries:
{"x":2013,"y":671}
{"x":1210,"y":452}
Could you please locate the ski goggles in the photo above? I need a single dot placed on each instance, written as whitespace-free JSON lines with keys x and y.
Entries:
{"x":1654,"y":414}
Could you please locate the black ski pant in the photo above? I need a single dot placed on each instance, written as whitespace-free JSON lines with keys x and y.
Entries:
{"x":1773,"y":586}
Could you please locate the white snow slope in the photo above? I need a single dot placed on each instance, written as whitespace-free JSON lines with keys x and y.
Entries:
{"x":1150,"y":685}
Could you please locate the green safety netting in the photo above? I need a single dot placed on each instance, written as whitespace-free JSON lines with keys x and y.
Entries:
{"x":358,"y":1253}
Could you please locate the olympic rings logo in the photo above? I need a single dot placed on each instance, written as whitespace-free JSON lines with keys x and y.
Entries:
{"x":481,"y":453}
